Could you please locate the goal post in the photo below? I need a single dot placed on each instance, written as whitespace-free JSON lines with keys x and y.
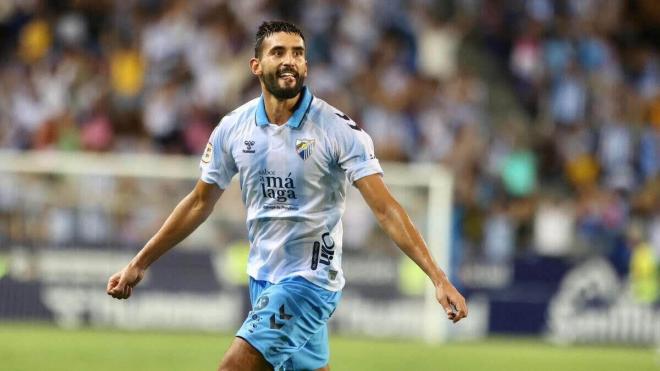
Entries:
{"x":438,"y":232}
{"x":372,"y":293}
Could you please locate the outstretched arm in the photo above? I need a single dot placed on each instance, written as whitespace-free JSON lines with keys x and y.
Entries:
{"x":397,"y":225}
{"x":184,"y":219}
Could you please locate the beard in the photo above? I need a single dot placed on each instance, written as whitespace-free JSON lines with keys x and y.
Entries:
{"x":271,"y":81}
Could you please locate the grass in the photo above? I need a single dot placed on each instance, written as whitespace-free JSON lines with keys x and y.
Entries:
{"x":35,"y":347}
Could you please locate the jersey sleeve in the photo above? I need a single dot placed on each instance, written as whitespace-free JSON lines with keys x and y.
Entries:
{"x":356,"y":154}
{"x":217,"y":163}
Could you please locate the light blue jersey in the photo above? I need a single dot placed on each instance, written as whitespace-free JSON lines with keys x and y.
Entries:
{"x":293,"y":180}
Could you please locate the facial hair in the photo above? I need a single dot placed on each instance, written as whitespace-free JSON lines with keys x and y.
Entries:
{"x":271,"y":82}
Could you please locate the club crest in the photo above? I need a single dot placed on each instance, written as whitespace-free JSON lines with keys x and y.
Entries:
{"x":304,"y":147}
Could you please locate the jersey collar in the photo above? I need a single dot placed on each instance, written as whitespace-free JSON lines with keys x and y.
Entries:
{"x":299,"y":113}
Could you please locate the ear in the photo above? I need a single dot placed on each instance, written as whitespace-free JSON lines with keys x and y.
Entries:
{"x":255,"y":67}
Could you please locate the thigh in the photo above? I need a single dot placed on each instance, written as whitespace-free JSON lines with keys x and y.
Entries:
{"x":242,"y":356}
{"x":285,"y":317}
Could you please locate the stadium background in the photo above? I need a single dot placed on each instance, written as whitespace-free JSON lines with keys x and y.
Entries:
{"x":546,"y":113}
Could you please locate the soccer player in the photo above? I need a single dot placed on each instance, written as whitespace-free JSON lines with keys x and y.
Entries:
{"x":295,"y":155}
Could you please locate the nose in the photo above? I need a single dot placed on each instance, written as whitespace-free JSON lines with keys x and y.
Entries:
{"x":288,"y":59}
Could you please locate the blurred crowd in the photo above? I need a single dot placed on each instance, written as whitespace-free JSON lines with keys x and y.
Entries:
{"x":575,"y":173}
{"x":581,"y":175}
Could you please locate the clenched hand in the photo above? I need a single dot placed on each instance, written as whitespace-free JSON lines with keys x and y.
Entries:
{"x":452,"y":301}
{"x":120,"y":284}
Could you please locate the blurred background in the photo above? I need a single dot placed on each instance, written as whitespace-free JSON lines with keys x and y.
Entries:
{"x":544,"y":114}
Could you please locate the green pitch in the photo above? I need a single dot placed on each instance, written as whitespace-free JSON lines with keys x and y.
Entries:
{"x":32,"y":347}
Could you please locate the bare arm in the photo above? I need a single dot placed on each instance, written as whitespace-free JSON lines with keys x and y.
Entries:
{"x":397,"y":225}
{"x":192,"y":211}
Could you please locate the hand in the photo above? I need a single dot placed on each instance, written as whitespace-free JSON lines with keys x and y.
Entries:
{"x":120,"y":285}
{"x":452,"y":301}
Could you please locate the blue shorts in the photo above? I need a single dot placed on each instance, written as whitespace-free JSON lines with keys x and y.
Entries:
{"x":288,"y":323}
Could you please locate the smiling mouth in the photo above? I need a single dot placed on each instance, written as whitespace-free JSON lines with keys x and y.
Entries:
{"x":289,"y":76}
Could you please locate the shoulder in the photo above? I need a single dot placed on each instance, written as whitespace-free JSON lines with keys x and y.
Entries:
{"x":231,"y":123}
{"x":332,"y":119}
{"x":241,"y":115}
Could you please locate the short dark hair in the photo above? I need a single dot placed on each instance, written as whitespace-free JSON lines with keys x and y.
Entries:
{"x":270,"y":27}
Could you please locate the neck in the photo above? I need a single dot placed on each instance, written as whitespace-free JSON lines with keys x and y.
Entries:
{"x":279,"y":111}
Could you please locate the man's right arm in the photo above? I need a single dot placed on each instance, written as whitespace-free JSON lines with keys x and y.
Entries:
{"x":192,"y":211}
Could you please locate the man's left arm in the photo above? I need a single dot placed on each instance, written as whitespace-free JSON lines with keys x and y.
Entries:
{"x":397,"y":225}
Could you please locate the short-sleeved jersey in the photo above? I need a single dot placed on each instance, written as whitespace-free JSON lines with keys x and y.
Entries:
{"x":293,"y":180}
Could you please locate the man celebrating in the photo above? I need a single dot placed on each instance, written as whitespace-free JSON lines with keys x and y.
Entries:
{"x":295,"y":155}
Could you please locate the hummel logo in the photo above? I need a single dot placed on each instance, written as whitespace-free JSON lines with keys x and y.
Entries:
{"x":248,"y":146}
{"x":345,"y":117}
{"x":283,"y":315}
{"x":274,"y":325}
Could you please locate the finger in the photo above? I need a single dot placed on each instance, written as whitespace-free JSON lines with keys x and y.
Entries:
{"x":112,"y":282}
{"x":115,"y":294}
{"x":127,"y":291}
{"x":447,"y":307}
{"x":444,"y":302}
{"x":118,"y":290}
{"x":462,"y":307}
{"x":461,"y":312}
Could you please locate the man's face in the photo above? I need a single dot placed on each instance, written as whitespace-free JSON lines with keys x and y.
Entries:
{"x":282,"y":66}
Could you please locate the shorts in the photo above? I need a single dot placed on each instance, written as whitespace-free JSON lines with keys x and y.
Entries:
{"x":288,"y":323}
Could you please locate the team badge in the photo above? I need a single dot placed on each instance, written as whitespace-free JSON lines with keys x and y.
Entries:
{"x":208,"y":153}
{"x":261,"y":302}
{"x":304,"y":147}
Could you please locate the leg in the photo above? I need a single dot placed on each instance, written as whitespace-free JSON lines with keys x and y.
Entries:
{"x":241,"y":356}
{"x":325,"y":368}
{"x":287,"y":327}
